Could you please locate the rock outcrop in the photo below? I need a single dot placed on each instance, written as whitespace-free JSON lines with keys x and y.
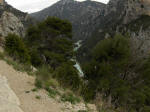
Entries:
{"x":13,"y":20}
{"x":9,"y":23}
{"x":117,"y":15}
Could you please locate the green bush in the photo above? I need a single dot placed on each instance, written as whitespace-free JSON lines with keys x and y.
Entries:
{"x":52,"y":92}
{"x":38,"y":83}
{"x":15,"y":47}
{"x":36,"y":59}
{"x":52,"y":83}
{"x":43,"y":75}
{"x":70,"y":98}
{"x":19,"y":66}
{"x":2,"y":55}
{"x":38,"y":97}
{"x":68,"y":76}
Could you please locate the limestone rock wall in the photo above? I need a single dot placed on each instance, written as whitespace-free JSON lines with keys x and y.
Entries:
{"x":128,"y":9}
{"x":9,"y":23}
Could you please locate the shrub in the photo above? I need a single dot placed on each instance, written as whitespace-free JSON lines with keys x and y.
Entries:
{"x":52,"y":83}
{"x":34,"y":90}
{"x":42,"y":76}
{"x":19,"y":66}
{"x":38,"y":97}
{"x":36,"y":59}
{"x":68,"y":76}
{"x":15,"y":47}
{"x":52,"y":92}
{"x":38,"y":84}
{"x":44,"y":73}
{"x":2,"y":55}
{"x":70,"y":98}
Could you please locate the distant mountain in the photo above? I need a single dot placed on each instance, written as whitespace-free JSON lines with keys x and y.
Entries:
{"x":94,"y":21}
{"x":79,"y":13}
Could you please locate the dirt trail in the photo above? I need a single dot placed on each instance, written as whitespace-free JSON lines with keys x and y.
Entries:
{"x":21,"y":83}
{"x":8,"y":99}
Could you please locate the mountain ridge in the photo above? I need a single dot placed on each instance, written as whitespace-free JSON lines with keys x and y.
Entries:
{"x":79,"y":13}
{"x":118,"y":13}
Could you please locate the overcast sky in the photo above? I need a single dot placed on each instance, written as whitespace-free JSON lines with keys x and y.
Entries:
{"x":36,"y":5}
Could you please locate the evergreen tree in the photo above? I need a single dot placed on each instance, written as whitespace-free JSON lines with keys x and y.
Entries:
{"x":113,"y":73}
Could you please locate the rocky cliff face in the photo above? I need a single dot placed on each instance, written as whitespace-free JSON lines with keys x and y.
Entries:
{"x":94,"y":21}
{"x":117,"y":15}
{"x":9,"y":23}
{"x":129,"y":9}
{"x":91,"y":17}
{"x":79,"y":13}
{"x":13,"y":20}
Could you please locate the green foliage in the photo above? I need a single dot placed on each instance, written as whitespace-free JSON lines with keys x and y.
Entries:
{"x":50,"y":49}
{"x":54,"y":59}
{"x":57,"y":26}
{"x":52,"y":83}
{"x":52,"y":92}
{"x":38,"y":84}
{"x":36,"y":58}
{"x":18,"y":66}
{"x":115,"y":50}
{"x":43,"y":75}
{"x":34,"y":90}
{"x":114,"y":73}
{"x":49,"y":42}
{"x":15,"y":47}
{"x":38,"y":97}
{"x":70,"y":98}
{"x":110,"y":57}
{"x":67,"y":76}
{"x":2,"y":55}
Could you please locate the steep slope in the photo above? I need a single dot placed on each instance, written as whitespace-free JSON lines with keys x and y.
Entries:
{"x":22,"y":82}
{"x":118,"y":14}
{"x":18,"y":93}
{"x":8,"y":99}
{"x":79,"y":13}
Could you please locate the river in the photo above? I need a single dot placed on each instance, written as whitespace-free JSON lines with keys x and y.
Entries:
{"x":77,"y":65}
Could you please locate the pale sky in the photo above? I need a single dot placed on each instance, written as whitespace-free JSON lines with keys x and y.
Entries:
{"x":36,"y":5}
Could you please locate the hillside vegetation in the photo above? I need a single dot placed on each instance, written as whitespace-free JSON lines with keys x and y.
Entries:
{"x":47,"y":44}
{"x":117,"y":77}
{"x":114,"y":79}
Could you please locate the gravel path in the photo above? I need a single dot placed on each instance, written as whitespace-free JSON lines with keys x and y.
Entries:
{"x":18,"y":89}
{"x":8,"y":99}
